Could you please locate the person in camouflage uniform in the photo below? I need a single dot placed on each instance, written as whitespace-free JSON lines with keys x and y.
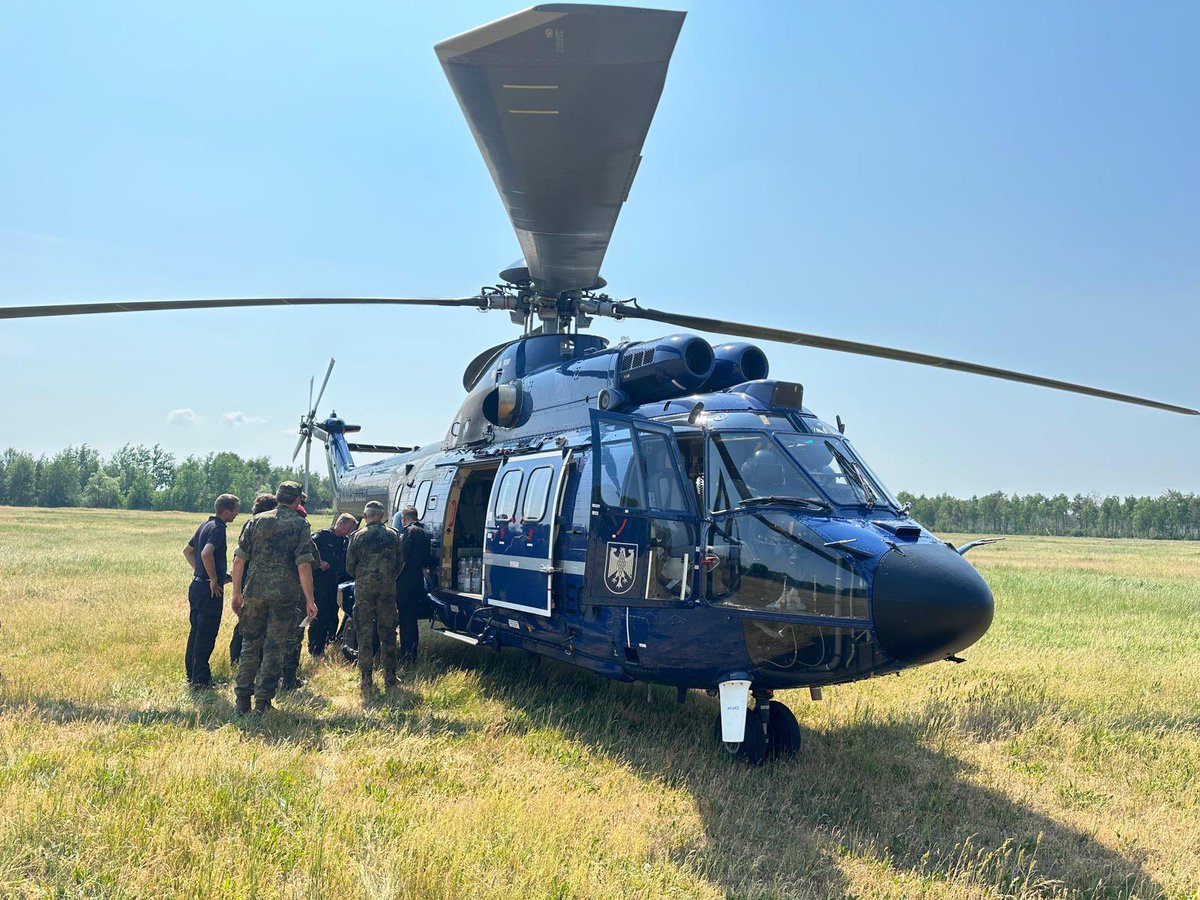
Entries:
{"x":373,"y":561}
{"x":276,"y":546}
{"x":290,"y":674}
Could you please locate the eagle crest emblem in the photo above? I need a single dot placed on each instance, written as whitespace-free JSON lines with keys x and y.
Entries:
{"x":621,"y":566}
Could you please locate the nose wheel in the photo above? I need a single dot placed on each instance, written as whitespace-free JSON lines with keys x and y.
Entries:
{"x":771,"y":732}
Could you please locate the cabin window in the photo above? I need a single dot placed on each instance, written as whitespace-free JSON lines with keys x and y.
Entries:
{"x":506,"y":496}
{"x":537,"y":494}
{"x":421,"y":501}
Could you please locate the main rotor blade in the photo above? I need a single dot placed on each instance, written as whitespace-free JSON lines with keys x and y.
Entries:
{"x":299,"y":444}
{"x":87,"y":309}
{"x":783,"y":336}
{"x":312,"y":407}
{"x":559,"y":99}
{"x":321,"y":392}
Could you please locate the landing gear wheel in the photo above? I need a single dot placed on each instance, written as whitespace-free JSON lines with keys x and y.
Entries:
{"x":752,"y":749}
{"x":783,"y":732}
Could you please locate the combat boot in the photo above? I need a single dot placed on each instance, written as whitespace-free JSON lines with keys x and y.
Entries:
{"x":389,"y":679}
{"x":243,"y":704}
{"x":262,"y":706}
{"x":292,"y":684}
{"x":366,"y":685}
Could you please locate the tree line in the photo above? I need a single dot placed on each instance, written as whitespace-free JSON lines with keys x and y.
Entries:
{"x":1172,"y":516}
{"x":139,"y":477}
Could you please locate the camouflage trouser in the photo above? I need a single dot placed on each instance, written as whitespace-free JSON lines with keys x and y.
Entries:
{"x":267,"y":625}
{"x":375,"y":611}
{"x":295,"y":638}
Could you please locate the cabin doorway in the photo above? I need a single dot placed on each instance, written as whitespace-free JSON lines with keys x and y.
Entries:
{"x":466,"y":518}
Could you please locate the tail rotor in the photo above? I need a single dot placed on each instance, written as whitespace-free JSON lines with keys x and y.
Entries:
{"x":308,"y":426}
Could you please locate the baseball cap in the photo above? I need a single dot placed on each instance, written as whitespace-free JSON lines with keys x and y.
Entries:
{"x":289,"y":492}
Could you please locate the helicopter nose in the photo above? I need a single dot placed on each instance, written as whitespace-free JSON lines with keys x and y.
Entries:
{"x":928,"y":603}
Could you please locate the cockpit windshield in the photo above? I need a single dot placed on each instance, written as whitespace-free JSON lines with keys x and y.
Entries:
{"x":748,"y":466}
{"x":836,"y":469}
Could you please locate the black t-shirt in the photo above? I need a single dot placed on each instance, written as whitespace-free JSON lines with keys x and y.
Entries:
{"x":211,"y":532}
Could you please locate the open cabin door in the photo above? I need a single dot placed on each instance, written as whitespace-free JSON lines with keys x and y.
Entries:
{"x":642,"y":548}
{"x":521,"y":531}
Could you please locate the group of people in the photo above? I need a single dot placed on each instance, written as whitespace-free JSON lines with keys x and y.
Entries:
{"x":285,"y":578}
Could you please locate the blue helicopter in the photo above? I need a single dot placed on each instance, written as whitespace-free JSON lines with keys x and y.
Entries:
{"x":659,"y":511}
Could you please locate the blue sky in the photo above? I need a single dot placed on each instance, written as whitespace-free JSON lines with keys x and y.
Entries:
{"x":1012,"y":183}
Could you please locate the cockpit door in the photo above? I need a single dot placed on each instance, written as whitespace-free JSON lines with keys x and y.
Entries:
{"x":521,"y":530}
{"x":642,"y":546}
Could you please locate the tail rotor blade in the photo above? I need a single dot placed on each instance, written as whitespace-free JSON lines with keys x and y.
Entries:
{"x":307,"y":459}
{"x":321,"y":393}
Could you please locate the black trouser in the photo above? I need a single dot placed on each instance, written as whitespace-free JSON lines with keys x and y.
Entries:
{"x":409,"y":593}
{"x":322,"y":629}
{"x":205,"y":618}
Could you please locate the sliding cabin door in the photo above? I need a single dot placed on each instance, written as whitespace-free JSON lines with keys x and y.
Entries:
{"x":521,"y":531}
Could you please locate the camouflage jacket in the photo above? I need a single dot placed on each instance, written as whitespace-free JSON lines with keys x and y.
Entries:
{"x":373,"y":558}
{"x":273,"y":543}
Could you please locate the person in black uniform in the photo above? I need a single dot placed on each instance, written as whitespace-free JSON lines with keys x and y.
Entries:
{"x":331,"y":542}
{"x":206,"y":554}
{"x":416,"y":556}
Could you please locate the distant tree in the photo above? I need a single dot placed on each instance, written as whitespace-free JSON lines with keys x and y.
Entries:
{"x":20,"y":480}
{"x":60,"y":480}
{"x":162,"y":467}
{"x":188,"y":488}
{"x":103,"y":491}
{"x":89,"y":463}
{"x":141,"y":491}
{"x":222,"y":472}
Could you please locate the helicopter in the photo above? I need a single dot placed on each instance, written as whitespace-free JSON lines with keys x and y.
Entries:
{"x":664,"y":510}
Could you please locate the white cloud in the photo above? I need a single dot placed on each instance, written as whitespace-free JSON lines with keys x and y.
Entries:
{"x":238,"y":419}
{"x":183,"y":417}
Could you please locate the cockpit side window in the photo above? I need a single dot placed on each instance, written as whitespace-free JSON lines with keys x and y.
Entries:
{"x":620,"y":475}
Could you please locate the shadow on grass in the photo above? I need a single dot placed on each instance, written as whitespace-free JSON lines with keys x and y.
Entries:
{"x":873,"y":791}
{"x":301,"y":720}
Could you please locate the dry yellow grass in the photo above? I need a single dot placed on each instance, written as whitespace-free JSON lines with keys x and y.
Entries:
{"x":1061,"y":760}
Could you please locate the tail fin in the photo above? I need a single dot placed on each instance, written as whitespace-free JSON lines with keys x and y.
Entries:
{"x":333,"y":433}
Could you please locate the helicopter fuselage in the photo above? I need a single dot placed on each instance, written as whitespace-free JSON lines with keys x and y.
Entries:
{"x":649,"y":513}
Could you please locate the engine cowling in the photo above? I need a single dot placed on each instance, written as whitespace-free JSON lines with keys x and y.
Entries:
{"x":667,"y":367}
{"x":736,"y":363}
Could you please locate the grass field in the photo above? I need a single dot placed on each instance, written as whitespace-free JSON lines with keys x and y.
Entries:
{"x":1061,"y":760}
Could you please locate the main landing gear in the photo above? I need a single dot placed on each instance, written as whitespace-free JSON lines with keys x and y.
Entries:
{"x":769,"y":730}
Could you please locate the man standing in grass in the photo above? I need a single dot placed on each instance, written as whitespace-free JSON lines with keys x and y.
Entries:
{"x":373,"y":560}
{"x":276,"y":547}
{"x":416,"y":556}
{"x":331,"y":542}
{"x":206,"y":555}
